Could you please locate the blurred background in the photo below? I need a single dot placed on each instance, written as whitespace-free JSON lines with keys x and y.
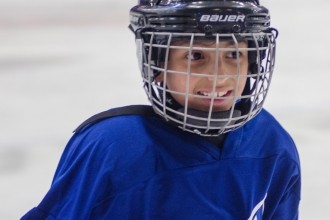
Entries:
{"x":62,"y":61}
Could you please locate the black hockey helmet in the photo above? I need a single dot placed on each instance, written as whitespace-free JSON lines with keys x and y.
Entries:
{"x":219,"y":16}
{"x":158,"y":23}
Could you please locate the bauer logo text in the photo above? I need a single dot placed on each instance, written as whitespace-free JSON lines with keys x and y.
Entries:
{"x":222,"y":18}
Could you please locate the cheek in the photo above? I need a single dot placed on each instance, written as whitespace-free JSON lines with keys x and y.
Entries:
{"x":242,"y":80}
{"x":241,"y":84}
{"x":176,"y":82}
{"x":176,"y":86}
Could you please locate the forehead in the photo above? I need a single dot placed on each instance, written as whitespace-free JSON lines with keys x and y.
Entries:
{"x":204,"y":42}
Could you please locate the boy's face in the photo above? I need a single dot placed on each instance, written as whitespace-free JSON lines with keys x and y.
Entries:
{"x":221,"y":74}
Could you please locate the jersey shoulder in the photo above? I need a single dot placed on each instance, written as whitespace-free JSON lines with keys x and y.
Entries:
{"x":263,"y":136}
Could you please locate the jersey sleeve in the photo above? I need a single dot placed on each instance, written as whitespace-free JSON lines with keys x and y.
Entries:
{"x":288,"y":206}
{"x":97,"y":163}
{"x":37,"y":214}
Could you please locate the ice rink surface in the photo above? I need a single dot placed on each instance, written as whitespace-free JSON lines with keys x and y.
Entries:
{"x":62,"y":61}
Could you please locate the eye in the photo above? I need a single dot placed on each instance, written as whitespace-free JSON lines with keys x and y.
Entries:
{"x":234,"y":54}
{"x":195,"y":55}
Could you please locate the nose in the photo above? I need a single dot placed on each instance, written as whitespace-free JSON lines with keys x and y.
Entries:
{"x":215,"y":67}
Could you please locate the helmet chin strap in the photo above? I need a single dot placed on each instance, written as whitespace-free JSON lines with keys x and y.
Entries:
{"x":199,"y":118}
{"x":217,"y":119}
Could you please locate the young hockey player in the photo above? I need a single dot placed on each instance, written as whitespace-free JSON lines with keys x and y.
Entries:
{"x":205,"y":148}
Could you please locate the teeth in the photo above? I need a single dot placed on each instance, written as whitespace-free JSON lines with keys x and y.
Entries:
{"x":220,"y":94}
{"x":213,"y":94}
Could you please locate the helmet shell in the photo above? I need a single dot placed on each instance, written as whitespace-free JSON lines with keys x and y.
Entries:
{"x":219,"y":16}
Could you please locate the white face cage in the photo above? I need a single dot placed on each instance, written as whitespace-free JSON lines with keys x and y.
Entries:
{"x":207,"y":85}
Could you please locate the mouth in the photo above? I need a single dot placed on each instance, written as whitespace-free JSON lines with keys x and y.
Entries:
{"x":214,"y":94}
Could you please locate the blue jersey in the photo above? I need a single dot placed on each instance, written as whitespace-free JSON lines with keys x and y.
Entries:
{"x":141,"y":168}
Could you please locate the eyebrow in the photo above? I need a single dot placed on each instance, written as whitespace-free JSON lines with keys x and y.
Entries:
{"x":208,"y":42}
